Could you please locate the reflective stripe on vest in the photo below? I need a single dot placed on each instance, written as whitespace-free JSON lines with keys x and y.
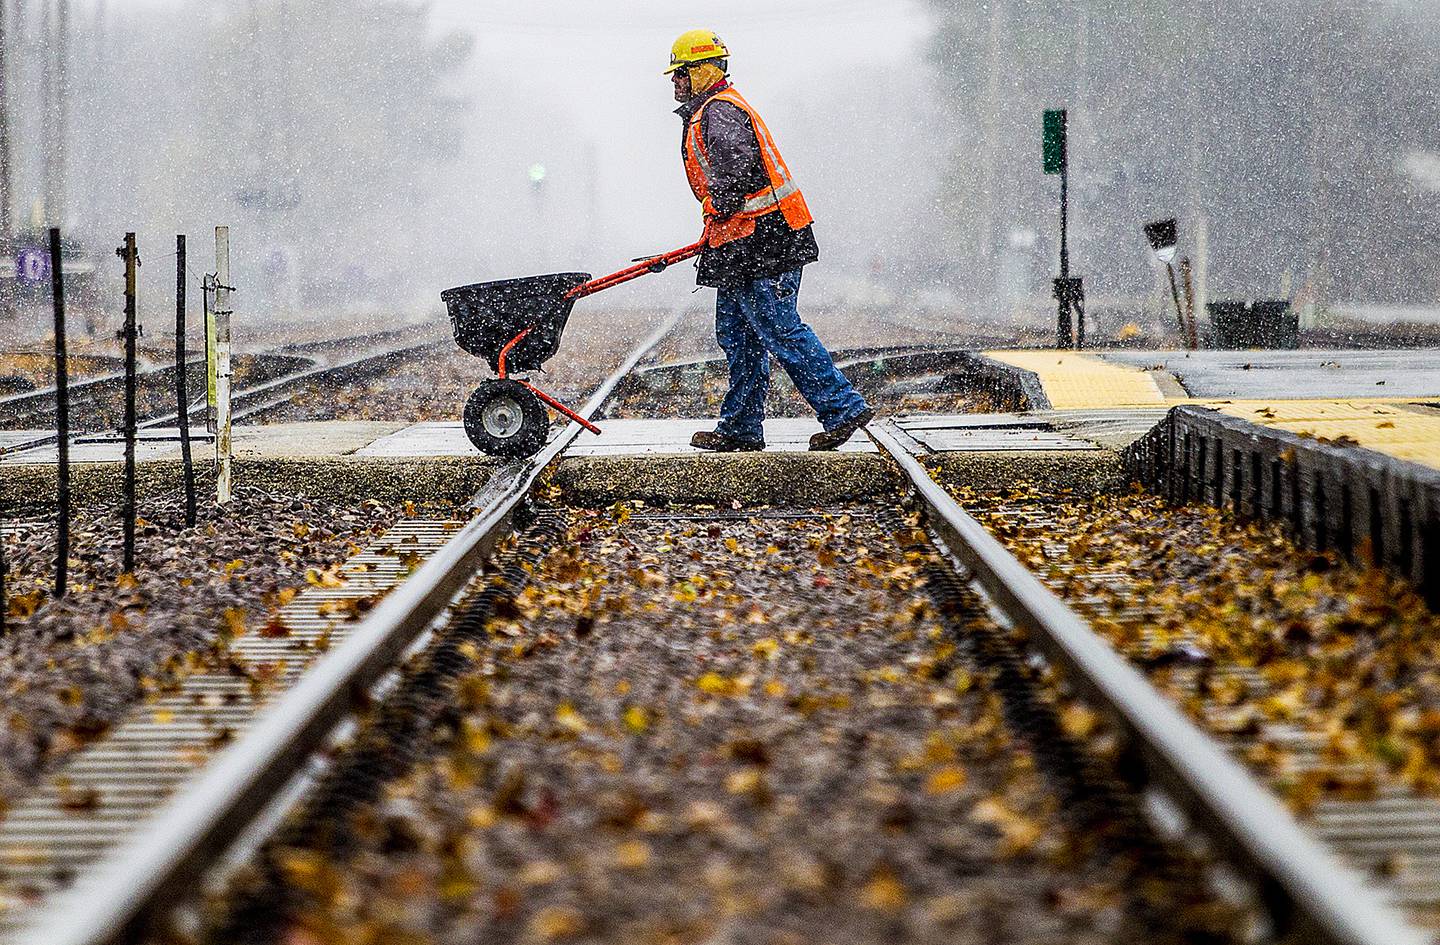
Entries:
{"x":782,"y":193}
{"x":770,"y":197}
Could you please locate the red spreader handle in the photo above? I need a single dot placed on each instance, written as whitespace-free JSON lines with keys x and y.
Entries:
{"x":653,"y":264}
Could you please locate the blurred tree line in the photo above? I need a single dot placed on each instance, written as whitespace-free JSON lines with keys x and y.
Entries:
{"x":1305,"y":134}
{"x":335,"y":112}
{"x":315,"y":128}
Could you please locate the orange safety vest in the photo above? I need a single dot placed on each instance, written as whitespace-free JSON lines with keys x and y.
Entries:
{"x":780,"y":194}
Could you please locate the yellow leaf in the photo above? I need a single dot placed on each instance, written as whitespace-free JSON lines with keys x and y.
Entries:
{"x":476,"y":736}
{"x":718,"y":685}
{"x":632,"y":855}
{"x":745,"y":781}
{"x":637,"y":719}
{"x":732,"y":546}
{"x":235,"y":621}
{"x":1018,"y":832}
{"x":540,"y":873}
{"x":883,"y":893}
{"x":164,"y":716}
{"x":557,"y":922}
{"x":327,"y":578}
{"x":1078,"y":721}
{"x":569,"y":719}
{"x":944,"y":780}
{"x":766,"y":648}
{"x":482,"y":816}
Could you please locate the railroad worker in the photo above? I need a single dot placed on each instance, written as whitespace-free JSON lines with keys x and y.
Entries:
{"x":758,"y":237}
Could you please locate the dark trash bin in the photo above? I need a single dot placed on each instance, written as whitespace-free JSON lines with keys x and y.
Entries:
{"x":1229,"y":326}
{"x":1265,"y":323}
{"x":1274,"y":324}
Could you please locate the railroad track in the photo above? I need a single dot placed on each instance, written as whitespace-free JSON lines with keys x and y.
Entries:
{"x":155,"y":812}
{"x":885,"y":374}
{"x":1307,"y":887}
{"x":276,"y":378}
{"x":975,"y":582}
{"x":1362,"y":811}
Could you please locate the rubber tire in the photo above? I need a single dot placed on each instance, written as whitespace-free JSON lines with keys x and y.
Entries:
{"x":534,"y":427}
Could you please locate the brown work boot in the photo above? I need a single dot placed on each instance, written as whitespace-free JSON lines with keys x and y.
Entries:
{"x":834,"y":439}
{"x":720,"y":443}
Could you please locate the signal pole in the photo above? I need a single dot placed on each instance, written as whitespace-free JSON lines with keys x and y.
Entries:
{"x":55,"y":202}
{"x":1069,"y":293}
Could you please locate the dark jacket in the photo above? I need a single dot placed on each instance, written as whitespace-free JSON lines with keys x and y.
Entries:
{"x":734,"y":152}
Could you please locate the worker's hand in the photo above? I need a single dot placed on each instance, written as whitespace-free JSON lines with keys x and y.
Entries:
{"x":713,"y":224}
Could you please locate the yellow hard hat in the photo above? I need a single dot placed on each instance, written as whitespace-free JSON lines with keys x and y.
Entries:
{"x":696,"y":46}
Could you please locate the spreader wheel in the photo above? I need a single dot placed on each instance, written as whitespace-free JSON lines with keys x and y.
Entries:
{"x":505,"y":418}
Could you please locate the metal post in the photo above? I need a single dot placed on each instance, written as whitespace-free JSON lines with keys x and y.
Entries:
{"x":132,"y":262}
{"x":1175,"y":294}
{"x":62,"y":420}
{"x":1192,"y":334}
{"x":222,"y":365}
{"x":1202,"y":264}
{"x":4,"y":598}
{"x":1065,"y":211}
{"x":182,"y":399}
{"x":207,"y":286}
{"x":1064,"y":333}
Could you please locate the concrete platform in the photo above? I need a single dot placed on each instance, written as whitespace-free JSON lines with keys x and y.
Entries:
{"x":938,"y":434}
{"x":650,"y":459}
{"x":393,"y":442}
{"x":275,"y":441}
{"x":1379,"y":400}
{"x":1075,"y":381}
{"x":1112,"y":379}
{"x":1404,"y":431}
{"x":1287,"y":375}
{"x":1096,"y":399}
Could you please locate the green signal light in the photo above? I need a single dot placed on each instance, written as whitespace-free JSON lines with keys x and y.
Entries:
{"x":537,"y":173}
{"x":1053,"y":135}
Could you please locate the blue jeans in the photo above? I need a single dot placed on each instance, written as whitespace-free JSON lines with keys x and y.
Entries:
{"x":761,"y":318}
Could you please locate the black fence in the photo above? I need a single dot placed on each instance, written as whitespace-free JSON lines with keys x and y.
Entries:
{"x":1367,"y":507}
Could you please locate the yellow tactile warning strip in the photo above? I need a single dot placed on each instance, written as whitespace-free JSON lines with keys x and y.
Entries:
{"x":1389,"y":428}
{"x":1079,"y":381}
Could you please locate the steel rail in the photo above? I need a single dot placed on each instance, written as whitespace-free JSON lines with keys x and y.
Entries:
{"x":246,"y":401}
{"x":1306,"y":887}
{"x":267,"y":395}
{"x":117,"y":898}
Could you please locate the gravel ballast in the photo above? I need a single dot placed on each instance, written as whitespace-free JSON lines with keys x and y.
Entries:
{"x":722,"y":728}
{"x":69,"y":668}
{"x":1254,"y":636}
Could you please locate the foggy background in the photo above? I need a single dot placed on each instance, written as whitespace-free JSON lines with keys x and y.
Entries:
{"x":369,"y":153}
